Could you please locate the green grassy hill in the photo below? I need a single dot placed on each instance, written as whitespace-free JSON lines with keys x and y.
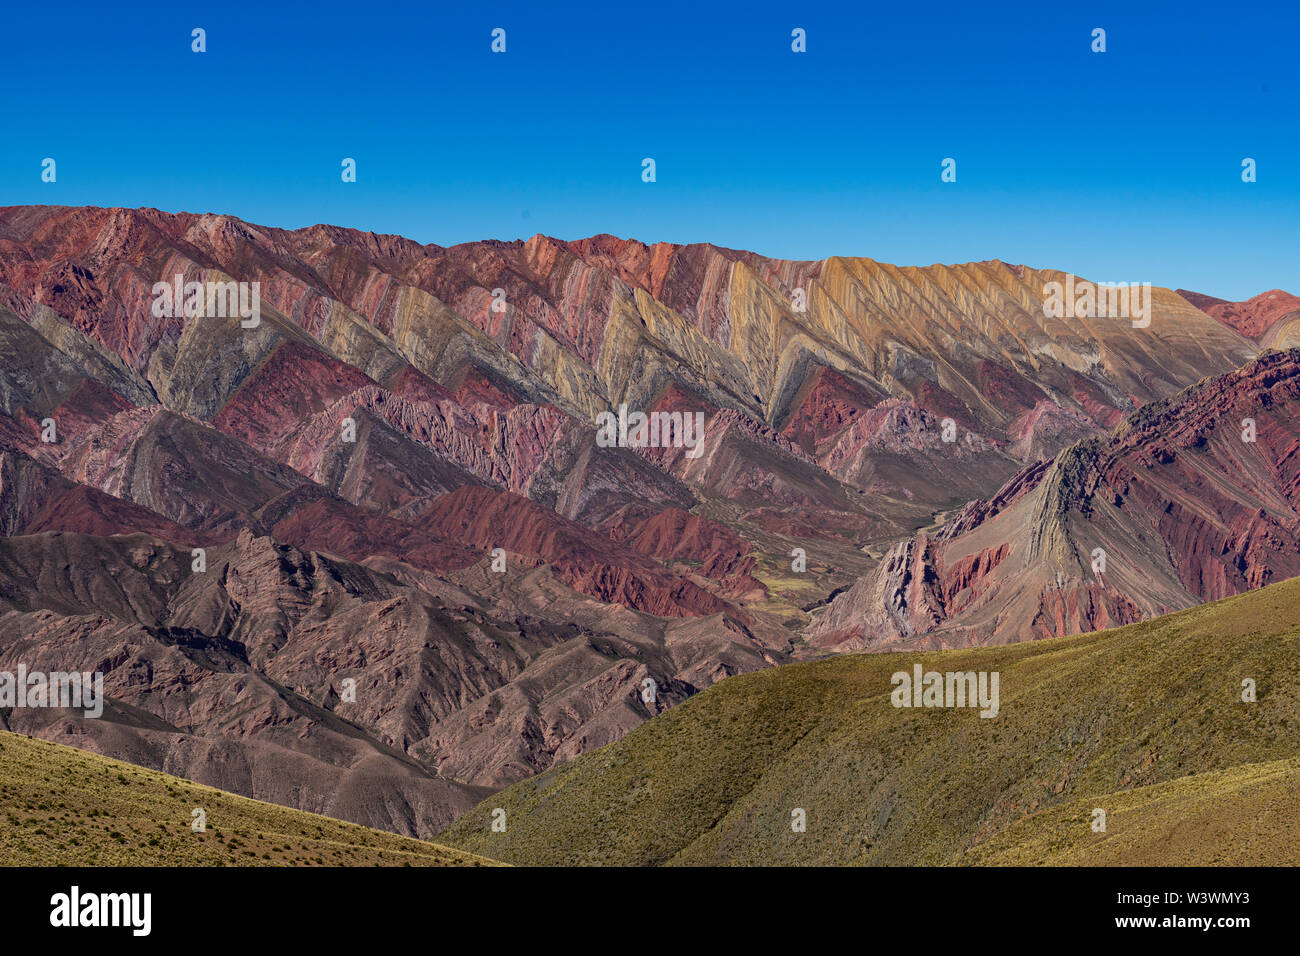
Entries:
{"x":63,"y":806}
{"x":1145,"y":722}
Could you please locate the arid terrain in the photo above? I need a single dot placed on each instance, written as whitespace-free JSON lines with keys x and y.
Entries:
{"x":367,"y":555}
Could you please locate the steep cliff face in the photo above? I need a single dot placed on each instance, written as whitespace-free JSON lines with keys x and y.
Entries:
{"x":1190,"y":499}
{"x":350,"y":457}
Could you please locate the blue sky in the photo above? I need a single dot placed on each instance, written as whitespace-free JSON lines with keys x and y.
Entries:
{"x":1122,"y":166}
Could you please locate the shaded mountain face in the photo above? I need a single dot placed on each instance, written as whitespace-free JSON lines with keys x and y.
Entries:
{"x":386,"y":697}
{"x":1190,"y":499}
{"x":399,"y":476}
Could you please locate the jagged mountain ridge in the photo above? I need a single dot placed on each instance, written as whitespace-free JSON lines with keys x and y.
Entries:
{"x":593,"y":324}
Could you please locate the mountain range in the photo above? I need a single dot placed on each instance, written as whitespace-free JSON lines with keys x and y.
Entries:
{"x":364,"y":555}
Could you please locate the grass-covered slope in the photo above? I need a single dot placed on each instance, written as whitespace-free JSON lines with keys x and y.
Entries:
{"x":1245,"y":816}
{"x":63,"y":806}
{"x":1146,"y":722}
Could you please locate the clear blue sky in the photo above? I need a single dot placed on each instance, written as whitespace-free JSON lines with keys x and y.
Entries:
{"x":1122,"y":166}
